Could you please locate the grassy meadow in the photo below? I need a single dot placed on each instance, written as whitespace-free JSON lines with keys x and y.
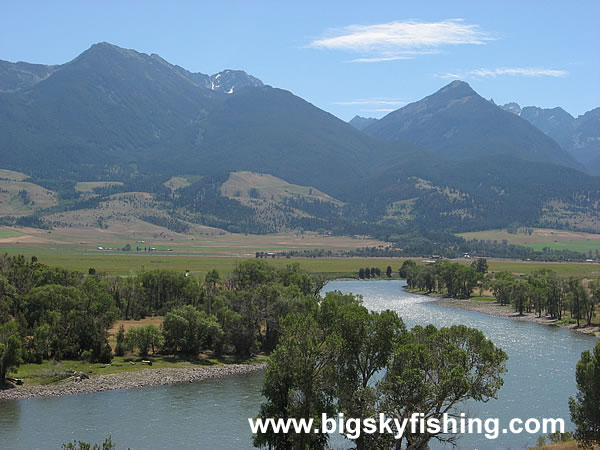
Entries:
{"x":77,"y":249}
{"x":541,"y":237}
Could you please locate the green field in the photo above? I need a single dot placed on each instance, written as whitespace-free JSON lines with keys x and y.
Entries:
{"x":541,"y":237}
{"x":4,"y":233}
{"x":583,"y":246}
{"x":89,"y":186}
{"x":123,"y":263}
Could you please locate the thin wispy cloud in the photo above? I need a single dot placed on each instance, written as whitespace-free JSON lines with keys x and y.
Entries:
{"x":373,"y":102}
{"x":380,"y":59}
{"x":378,"y":110}
{"x":512,"y":71}
{"x":401,"y":40}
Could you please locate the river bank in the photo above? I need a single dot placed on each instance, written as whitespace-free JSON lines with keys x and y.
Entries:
{"x":497,"y":310}
{"x":127,"y":380}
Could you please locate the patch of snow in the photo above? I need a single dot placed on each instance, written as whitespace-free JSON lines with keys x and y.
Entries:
{"x":230,"y":91}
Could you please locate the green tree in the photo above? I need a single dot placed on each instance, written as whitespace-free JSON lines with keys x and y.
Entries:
{"x":585,"y":407}
{"x":252,"y":273}
{"x":435,"y":371}
{"x":144,"y":338}
{"x":120,"y":338}
{"x":501,"y":287}
{"x":388,"y":271}
{"x":581,"y":305}
{"x":367,"y":343}
{"x":8,"y":294}
{"x":211,"y":280}
{"x":520,"y":292}
{"x":299,"y":382}
{"x":40,"y":344}
{"x":407,"y":266}
{"x":189,"y":330}
{"x":480,"y":265}
{"x":10,"y":349}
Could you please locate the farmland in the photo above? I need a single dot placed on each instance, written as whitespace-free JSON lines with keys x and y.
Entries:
{"x":78,"y":249}
{"x":541,"y":237}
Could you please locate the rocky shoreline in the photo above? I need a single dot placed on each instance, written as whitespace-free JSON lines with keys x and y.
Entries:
{"x":494,"y":309}
{"x":127,"y":380}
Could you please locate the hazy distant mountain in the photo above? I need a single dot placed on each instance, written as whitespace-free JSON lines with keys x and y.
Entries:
{"x":450,"y":161}
{"x":512,"y":107}
{"x":21,"y":75}
{"x":230,"y":80}
{"x":360,"y":123}
{"x":579,"y":136}
{"x":117,"y":109}
{"x":457,"y":123}
{"x":585,"y":143}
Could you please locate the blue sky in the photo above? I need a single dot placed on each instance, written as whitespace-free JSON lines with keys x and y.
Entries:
{"x":347,"y":57}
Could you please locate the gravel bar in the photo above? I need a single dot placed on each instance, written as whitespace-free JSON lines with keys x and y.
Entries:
{"x":127,"y":380}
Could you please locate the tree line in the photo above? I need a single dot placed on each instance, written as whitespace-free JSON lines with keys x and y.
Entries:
{"x":53,"y":313}
{"x":541,"y":292}
{"x":451,"y":279}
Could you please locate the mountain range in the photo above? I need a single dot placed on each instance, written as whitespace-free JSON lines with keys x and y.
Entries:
{"x":579,"y":136}
{"x":136,"y":122}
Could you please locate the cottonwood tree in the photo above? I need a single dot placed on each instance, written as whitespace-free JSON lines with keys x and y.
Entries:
{"x":368,"y":340}
{"x":189,"y":330}
{"x":144,"y":338}
{"x":10,"y":349}
{"x":585,"y":407}
{"x":327,"y":362}
{"x":434,"y":372}
{"x":299,"y":382}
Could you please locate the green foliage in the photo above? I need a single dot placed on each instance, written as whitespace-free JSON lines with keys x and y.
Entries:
{"x":163,"y":289}
{"x":144,"y":338}
{"x":480,"y":265}
{"x":8,"y":294}
{"x":78,"y":321}
{"x":408,"y":266}
{"x":189,"y":330}
{"x":585,"y":413}
{"x":298,"y":381}
{"x":543,"y":292}
{"x":120,"y":338}
{"x":10,"y":349}
{"x":452,"y":279}
{"x":326,"y":362}
{"x":80,"y":445}
{"x":436,"y":370}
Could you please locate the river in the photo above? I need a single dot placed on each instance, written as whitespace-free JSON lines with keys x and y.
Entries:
{"x":214,"y":414}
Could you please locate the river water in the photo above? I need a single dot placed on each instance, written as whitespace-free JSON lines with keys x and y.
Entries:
{"x":214,"y":414}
